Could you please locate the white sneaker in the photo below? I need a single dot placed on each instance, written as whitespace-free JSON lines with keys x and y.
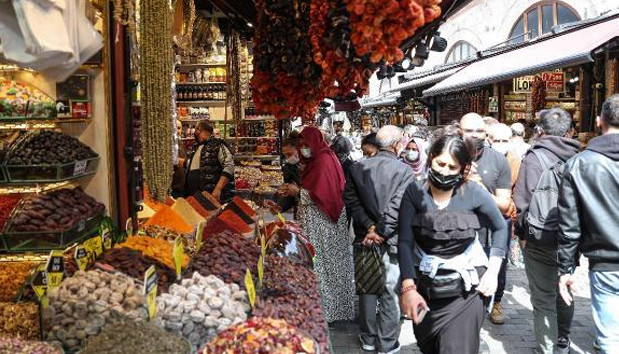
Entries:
{"x":365,"y":346}
{"x":393,"y":351}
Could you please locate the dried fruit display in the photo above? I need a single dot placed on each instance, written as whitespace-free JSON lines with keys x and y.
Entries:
{"x":538,"y":94}
{"x":82,"y":305}
{"x":286,"y":81}
{"x":56,"y":211}
{"x":283,"y":277}
{"x":20,"y":320}
{"x":261,"y":335}
{"x":7,"y":204}
{"x":12,"y":276}
{"x":130,"y":337}
{"x":379,"y":26}
{"x":226,"y":255}
{"x":49,"y":148}
{"x":200,"y":307}
{"x":19,"y":346}
{"x":157,"y":249}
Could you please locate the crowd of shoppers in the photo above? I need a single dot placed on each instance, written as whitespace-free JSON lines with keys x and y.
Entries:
{"x":444,"y":211}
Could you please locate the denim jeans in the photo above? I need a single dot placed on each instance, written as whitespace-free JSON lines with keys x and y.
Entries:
{"x":379,"y":317}
{"x":604,"y":302}
{"x":552,"y":317}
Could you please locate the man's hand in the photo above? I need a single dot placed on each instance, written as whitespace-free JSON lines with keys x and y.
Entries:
{"x":181,"y":162}
{"x":372,"y":238}
{"x":217,"y":194}
{"x":523,"y":244}
{"x":565,"y":282}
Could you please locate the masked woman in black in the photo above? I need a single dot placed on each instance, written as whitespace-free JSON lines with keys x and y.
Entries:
{"x":446,"y":276}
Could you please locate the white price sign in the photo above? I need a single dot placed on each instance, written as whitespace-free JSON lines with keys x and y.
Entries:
{"x":80,"y":167}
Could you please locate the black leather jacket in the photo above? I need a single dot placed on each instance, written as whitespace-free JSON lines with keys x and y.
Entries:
{"x":589,"y":207}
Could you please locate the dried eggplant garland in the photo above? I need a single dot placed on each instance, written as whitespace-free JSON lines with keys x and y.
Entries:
{"x":234,"y":75}
{"x":156,"y":63}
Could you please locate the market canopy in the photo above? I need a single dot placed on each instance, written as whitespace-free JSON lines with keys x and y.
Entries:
{"x":424,"y":79}
{"x":572,"y":47}
{"x":386,"y":99}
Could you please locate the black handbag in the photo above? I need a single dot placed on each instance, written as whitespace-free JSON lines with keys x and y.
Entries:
{"x":369,"y":271}
{"x":444,"y":285}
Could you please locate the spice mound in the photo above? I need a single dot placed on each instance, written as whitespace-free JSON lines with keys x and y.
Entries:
{"x":201,"y":307}
{"x":19,"y":320}
{"x":130,"y":337}
{"x":12,"y":277}
{"x":82,"y":305}
{"x":19,"y":346}
{"x":261,"y":335}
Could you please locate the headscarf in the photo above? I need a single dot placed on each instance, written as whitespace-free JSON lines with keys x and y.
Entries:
{"x":322,"y":175}
{"x":420,"y":166}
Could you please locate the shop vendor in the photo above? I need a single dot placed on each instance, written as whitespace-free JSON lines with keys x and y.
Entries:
{"x":211,"y":166}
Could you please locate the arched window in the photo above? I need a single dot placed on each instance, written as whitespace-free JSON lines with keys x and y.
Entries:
{"x":459,"y":51}
{"x":540,"y":18}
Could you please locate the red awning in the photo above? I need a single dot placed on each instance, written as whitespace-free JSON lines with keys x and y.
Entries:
{"x":572,"y":47}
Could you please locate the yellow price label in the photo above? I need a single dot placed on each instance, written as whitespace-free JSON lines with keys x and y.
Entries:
{"x":260,"y":270}
{"x":281,"y":218}
{"x":251,"y":289}
{"x":81,"y":257}
{"x":54,"y":270}
{"x":263,"y":246}
{"x":39,"y":281}
{"x":150,"y":291}
{"x":177,"y":255}
{"x":93,"y":247}
{"x":200,"y":235}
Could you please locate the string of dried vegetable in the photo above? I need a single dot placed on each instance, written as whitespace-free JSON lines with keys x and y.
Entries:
{"x":156,"y":85}
{"x":233,"y":77}
{"x":189,"y":14}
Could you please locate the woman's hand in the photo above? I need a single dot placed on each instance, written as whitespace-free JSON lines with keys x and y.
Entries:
{"x":411,"y":302}
{"x":290,"y":190}
{"x":489,"y":282}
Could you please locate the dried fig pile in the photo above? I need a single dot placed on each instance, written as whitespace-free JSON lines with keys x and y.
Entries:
{"x":50,"y":148}
{"x":226,"y":255}
{"x":82,"y":305}
{"x":201,"y":307}
{"x":56,"y":211}
{"x":283,"y":277}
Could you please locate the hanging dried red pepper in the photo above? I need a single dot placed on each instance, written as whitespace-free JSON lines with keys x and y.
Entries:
{"x":538,"y":93}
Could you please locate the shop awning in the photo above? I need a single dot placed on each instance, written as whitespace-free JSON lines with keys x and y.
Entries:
{"x":573,"y":47}
{"x":424,"y":80}
{"x":386,"y":99}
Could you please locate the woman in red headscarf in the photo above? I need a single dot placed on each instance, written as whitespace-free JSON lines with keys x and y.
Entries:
{"x":322,"y":215}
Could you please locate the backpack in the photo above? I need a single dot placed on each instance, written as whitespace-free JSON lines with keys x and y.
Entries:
{"x":542,"y":218}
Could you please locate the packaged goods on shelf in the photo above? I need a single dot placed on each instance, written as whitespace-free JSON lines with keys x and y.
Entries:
{"x":200,"y":307}
{"x":20,"y":319}
{"x":258,"y":334}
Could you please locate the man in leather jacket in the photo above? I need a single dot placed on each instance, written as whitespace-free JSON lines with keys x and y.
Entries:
{"x":589,"y":221}
{"x":552,"y":318}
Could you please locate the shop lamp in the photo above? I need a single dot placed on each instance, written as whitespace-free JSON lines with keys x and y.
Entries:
{"x":382,"y":72}
{"x":437,"y":43}
{"x":421,"y":54}
{"x":403,"y":66}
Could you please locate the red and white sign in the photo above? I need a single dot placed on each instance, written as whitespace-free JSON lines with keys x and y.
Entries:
{"x":555,"y":82}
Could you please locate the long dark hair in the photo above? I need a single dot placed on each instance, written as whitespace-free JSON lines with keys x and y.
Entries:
{"x":460,"y":148}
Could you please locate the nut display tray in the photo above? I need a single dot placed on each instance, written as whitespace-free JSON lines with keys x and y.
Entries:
{"x":51,"y":173}
{"x":47,"y":240}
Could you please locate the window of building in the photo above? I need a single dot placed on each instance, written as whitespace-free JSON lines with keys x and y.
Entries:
{"x":460,"y":51}
{"x":540,"y":19}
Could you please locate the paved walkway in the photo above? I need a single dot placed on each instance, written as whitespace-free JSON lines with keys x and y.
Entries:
{"x":514,"y":337}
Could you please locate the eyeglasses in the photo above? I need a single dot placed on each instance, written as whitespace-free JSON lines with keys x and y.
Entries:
{"x":500,"y":141}
{"x":474,"y":131}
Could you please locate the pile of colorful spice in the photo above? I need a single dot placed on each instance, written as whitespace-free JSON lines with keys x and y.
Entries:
{"x":7,"y":204}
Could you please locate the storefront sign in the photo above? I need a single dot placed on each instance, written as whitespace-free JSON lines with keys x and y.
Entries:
{"x":555,"y":82}
{"x":493,"y":104}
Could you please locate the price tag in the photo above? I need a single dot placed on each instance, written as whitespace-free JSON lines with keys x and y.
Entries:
{"x":177,"y":255}
{"x":54,"y":270}
{"x":39,"y":285}
{"x":81,"y":257}
{"x":260,"y":270}
{"x":200,"y":235}
{"x":150,"y":291}
{"x":80,"y":167}
{"x":106,"y":234}
{"x":81,"y":226}
{"x":263,"y":247}
{"x":93,"y":247}
{"x":281,"y":218}
{"x":251,"y":289}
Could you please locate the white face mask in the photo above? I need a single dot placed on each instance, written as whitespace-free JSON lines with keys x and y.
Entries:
{"x":501,"y":147}
{"x":293,"y":160}
{"x":306,"y":152}
{"x":412,"y":155}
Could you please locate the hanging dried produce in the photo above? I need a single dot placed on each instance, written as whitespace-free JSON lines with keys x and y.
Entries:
{"x":380,"y":26}
{"x":538,"y":94}
{"x":156,"y":65}
{"x":286,"y":80}
{"x":342,"y":70}
{"x":233,"y":78}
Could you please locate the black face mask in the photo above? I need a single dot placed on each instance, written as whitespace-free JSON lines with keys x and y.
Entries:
{"x":479,"y":144}
{"x":443,"y":182}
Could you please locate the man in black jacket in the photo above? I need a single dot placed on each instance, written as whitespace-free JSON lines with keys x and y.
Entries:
{"x":552,"y":317}
{"x":373,"y":193}
{"x":589,"y":221}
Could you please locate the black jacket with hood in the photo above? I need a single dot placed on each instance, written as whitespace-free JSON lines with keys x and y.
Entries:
{"x":554,"y":148}
{"x":589,"y":207}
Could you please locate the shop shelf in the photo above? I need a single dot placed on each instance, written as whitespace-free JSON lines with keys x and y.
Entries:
{"x":45,"y":240}
{"x":24,"y":174}
{"x":210,"y":103}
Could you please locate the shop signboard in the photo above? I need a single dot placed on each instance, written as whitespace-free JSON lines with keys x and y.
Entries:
{"x":555,"y":82}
